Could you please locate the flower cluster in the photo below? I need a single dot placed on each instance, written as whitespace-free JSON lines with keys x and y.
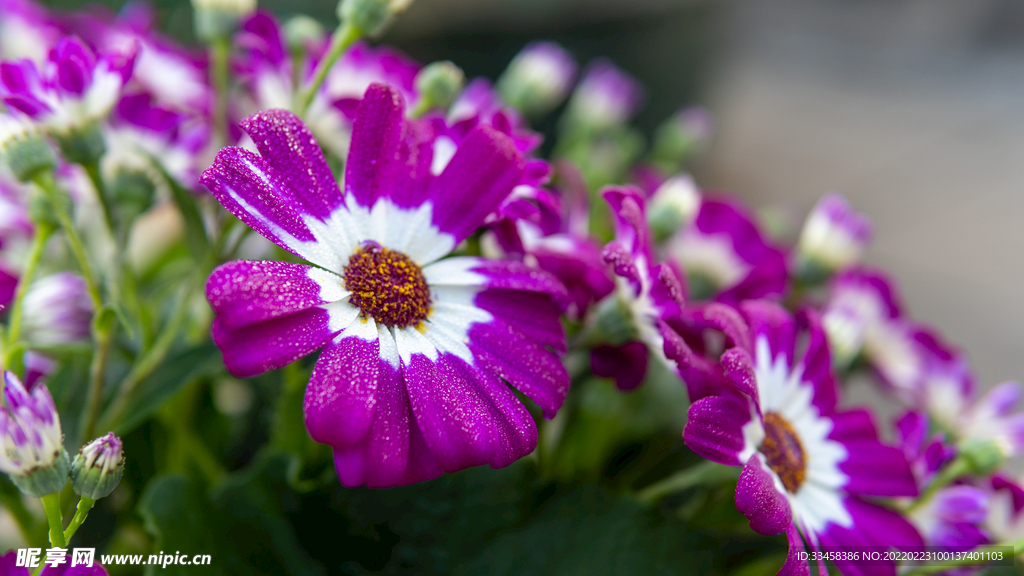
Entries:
{"x":450,"y":281}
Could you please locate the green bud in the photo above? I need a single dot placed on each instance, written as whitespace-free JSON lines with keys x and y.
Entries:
{"x":673,"y":206}
{"x":133,"y":192}
{"x":614,"y":322}
{"x":301,"y":31}
{"x":439,"y":83}
{"x":84,"y":145}
{"x":25,"y":150}
{"x":370,"y":17}
{"x":983,"y":455}
{"x":97,"y":468}
{"x":44,"y":480}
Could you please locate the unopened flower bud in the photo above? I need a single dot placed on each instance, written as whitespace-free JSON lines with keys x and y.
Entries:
{"x":834,"y":237}
{"x":439,"y":83}
{"x":97,"y":468}
{"x":219,"y":18}
{"x":301,"y":32}
{"x":24,"y":148}
{"x":673,"y":206}
{"x":680,"y":137}
{"x":983,"y":455}
{"x":32,"y":451}
{"x":133,"y":192}
{"x":82,"y":145}
{"x":58,"y":310}
{"x":606,"y":97}
{"x":370,"y":17}
{"x":845,"y":328}
{"x":538,"y":79}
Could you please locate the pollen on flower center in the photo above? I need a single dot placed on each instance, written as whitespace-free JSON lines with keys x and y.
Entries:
{"x":783,"y":451}
{"x":387,"y":285}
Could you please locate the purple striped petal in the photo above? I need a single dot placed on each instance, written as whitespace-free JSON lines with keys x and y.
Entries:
{"x":714,"y":427}
{"x":342,"y":392}
{"x":290,"y":149}
{"x":482,"y":173}
{"x":246,"y":292}
{"x":244,"y":184}
{"x":256,"y":348}
{"x":757,"y":498}
{"x":515,"y":428}
{"x":523,"y":363}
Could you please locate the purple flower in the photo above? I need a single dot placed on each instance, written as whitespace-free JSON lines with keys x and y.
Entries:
{"x":9,"y":567}
{"x":606,"y":97}
{"x":538,"y":79}
{"x":834,"y":236}
{"x":75,"y":88}
{"x":479,"y":103}
{"x":990,"y":418}
{"x":58,"y":310}
{"x":806,"y":466}
{"x":726,"y":256}
{"x":647,"y":293}
{"x":551,"y":231}
{"x":32,"y":452}
{"x":1005,"y":522}
{"x":410,"y":383}
{"x":863,"y":314}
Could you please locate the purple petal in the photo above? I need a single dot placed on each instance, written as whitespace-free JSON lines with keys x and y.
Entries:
{"x":256,"y":348}
{"x":730,"y":322}
{"x":244,"y":184}
{"x":246,"y":292}
{"x":290,"y":149}
{"x":626,"y":364}
{"x":482,"y":173}
{"x":524,"y":364}
{"x":795,"y":566}
{"x":454,"y":417}
{"x":817,"y":366}
{"x":535,"y":315}
{"x":961,"y":504}
{"x":516,"y":429}
{"x":738,"y":369}
{"x":757,"y":498}
{"x":342,"y":392}
{"x":376,"y":134}
{"x":853,"y":426}
{"x":772,"y":322}
{"x":877,"y":470}
{"x":714,"y":427}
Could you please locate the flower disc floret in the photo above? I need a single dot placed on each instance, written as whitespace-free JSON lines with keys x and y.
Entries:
{"x":783,"y":451}
{"x":388,"y":286}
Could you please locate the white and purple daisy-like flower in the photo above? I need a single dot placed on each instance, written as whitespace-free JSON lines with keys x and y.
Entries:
{"x":725,"y":255}
{"x":418,"y":348}
{"x":58,"y":310}
{"x":75,"y":87}
{"x":806,"y":466}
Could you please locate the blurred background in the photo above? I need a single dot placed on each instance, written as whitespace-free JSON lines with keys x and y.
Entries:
{"x":913,"y":109}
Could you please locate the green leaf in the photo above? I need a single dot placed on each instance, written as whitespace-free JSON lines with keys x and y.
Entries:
{"x":240,"y":523}
{"x":173,"y":374}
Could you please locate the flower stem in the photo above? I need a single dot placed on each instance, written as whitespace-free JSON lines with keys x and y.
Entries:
{"x":954,"y":470}
{"x":57,"y":200}
{"x":51,"y":503}
{"x":704,"y":473}
{"x":93,"y":170}
{"x":342,"y":38}
{"x":220,"y":48}
{"x":103,"y":334}
{"x":84,"y":505}
{"x":43,"y":232}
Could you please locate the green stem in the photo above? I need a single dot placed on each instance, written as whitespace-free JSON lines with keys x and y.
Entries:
{"x":220,"y":48}
{"x":51,"y":503}
{"x":954,"y":470}
{"x":103,"y":335}
{"x":43,"y":232}
{"x":58,"y":200}
{"x":149,"y":361}
{"x":342,"y":38}
{"x":703,"y":473}
{"x":93,"y":170}
{"x":84,"y":505}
